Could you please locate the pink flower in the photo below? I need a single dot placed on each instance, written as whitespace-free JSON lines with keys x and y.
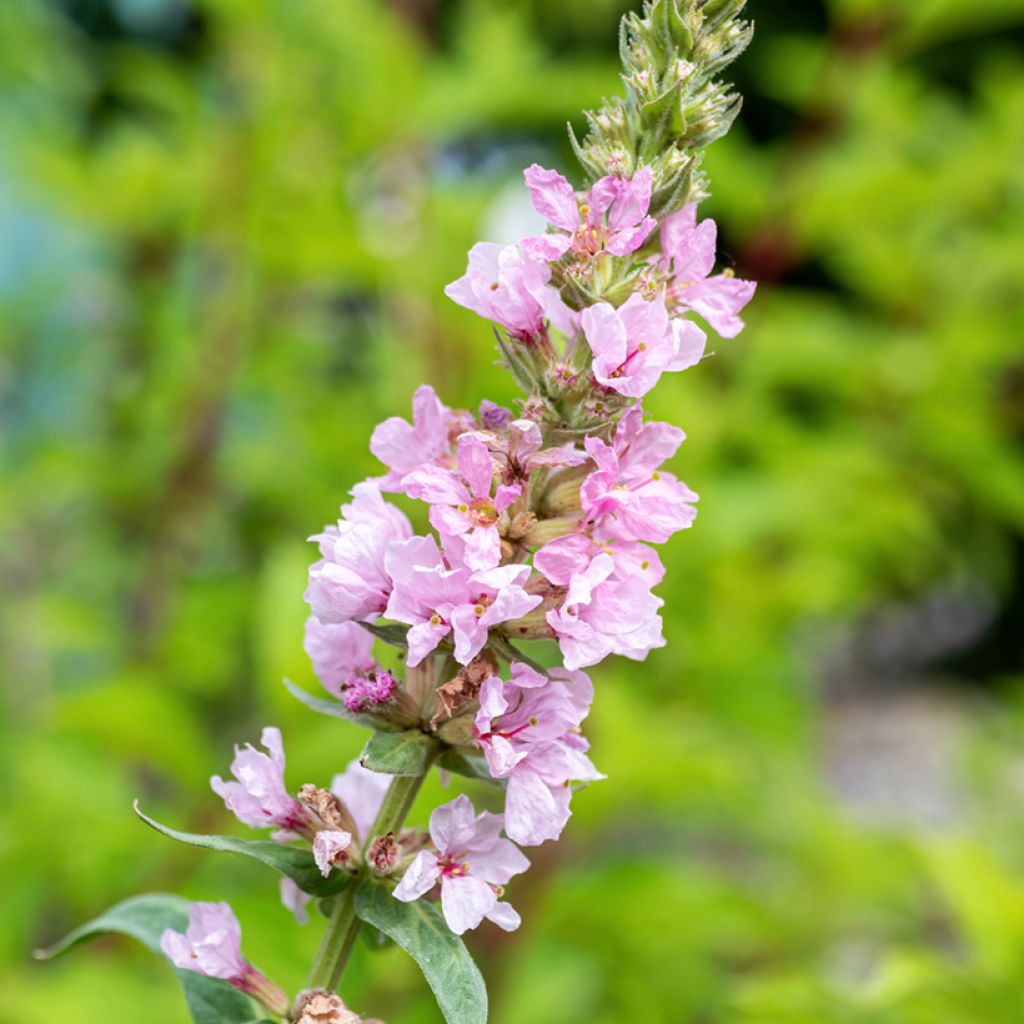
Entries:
{"x":471,"y":863}
{"x":634,"y":344}
{"x":328,"y":846}
{"x":565,"y":557}
{"x":362,"y":792}
{"x":527,"y":728}
{"x":349,"y":582}
{"x":627,"y":494}
{"x":427,"y":441}
{"x":519,"y":448}
{"x":462,"y":504}
{"x":295,"y":900}
{"x":613,"y":217}
{"x":338,"y":650}
{"x":688,"y":255}
{"x":435,"y":600}
{"x":211,"y":946}
{"x":259,"y":797}
{"x":603,"y":613}
{"x":503,"y":285}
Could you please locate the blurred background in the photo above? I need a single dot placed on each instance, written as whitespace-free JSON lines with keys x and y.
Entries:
{"x":225,"y":226}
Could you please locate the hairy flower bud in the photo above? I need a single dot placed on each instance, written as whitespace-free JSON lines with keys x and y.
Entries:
{"x":383,"y":854}
{"x":549,"y":529}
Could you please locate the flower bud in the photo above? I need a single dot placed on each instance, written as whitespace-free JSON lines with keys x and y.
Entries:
{"x":562,"y":496}
{"x":549,"y":529}
{"x":383,"y":854}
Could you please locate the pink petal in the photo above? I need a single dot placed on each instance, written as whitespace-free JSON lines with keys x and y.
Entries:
{"x":465,"y":901}
{"x":689,"y":342}
{"x":420,"y":878}
{"x":553,"y":197}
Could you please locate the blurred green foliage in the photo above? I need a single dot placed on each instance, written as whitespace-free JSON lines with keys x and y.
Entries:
{"x":226,"y":227}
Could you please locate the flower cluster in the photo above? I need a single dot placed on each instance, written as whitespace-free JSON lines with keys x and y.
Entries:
{"x":533,"y":554}
{"x":541,"y":523}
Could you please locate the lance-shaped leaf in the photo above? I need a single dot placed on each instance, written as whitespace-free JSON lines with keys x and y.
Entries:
{"x":460,"y":761}
{"x":334,"y":708}
{"x":145,"y":918}
{"x":296,"y":864}
{"x":398,"y":753}
{"x":390,"y":633}
{"x":420,"y":930}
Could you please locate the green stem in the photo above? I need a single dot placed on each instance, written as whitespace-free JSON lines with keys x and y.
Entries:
{"x":343,"y":925}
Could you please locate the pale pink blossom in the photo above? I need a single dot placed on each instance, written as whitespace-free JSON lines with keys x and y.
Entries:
{"x":471,"y":861}
{"x":611,"y":218}
{"x":565,"y":557}
{"x":349,"y":582}
{"x":635,"y":344}
{"x":518,"y":450}
{"x":211,"y":945}
{"x":328,"y":846}
{"x":362,"y":792}
{"x":527,"y":727}
{"x":506,"y":286}
{"x":295,"y":900}
{"x":437,"y":601}
{"x":462,"y":503}
{"x":603,"y":613}
{"x":258,"y":797}
{"x":428,"y":440}
{"x":337,"y":650}
{"x":688,"y":256}
{"x":628,"y":494}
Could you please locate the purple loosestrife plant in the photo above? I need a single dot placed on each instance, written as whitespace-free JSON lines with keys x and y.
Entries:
{"x":542,"y":520}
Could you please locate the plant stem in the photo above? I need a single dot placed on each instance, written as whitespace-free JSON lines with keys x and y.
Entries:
{"x":343,"y":925}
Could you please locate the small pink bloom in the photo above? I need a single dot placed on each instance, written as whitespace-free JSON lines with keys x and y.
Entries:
{"x":295,"y":900}
{"x":337,"y":650}
{"x":369,"y":690}
{"x":211,"y":945}
{"x":519,"y":449}
{"x":362,"y":792}
{"x":628,"y":495}
{"x":612,"y":218}
{"x":604,"y":614}
{"x":427,"y":441}
{"x":688,"y":255}
{"x":462,"y":504}
{"x":435,"y":600}
{"x":259,"y":797}
{"x":527,"y":728}
{"x":471,"y":863}
{"x":503,"y":285}
{"x":328,"y":845}
{"x":634,"y":344}
{"x":565,"y":557}
{"x":349,"y":582}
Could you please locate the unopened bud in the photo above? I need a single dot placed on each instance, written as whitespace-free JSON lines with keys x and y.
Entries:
{"x":548,"y":529}
{"x":521,"y":525}
{"x":531,"y":626}
{"x":562,"y":496}
{"x":383,"y":855}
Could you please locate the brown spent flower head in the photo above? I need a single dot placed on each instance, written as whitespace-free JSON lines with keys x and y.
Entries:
{"x":326,"y":807}
{"x":318,"y":1006}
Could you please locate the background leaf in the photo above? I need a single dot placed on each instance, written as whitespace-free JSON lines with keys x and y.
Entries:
{"x":421,"y":931}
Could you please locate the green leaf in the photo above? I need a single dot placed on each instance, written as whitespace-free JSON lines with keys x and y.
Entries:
{"x":471,"y":766}
{"x":296,"y":864}
{"x":420,"y":930}
{"x":390,"y":633}
{"x":398,"y":753}
{"x":145,"y":918}
{"x":507,"y":650}
{"x":334,"y":708}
